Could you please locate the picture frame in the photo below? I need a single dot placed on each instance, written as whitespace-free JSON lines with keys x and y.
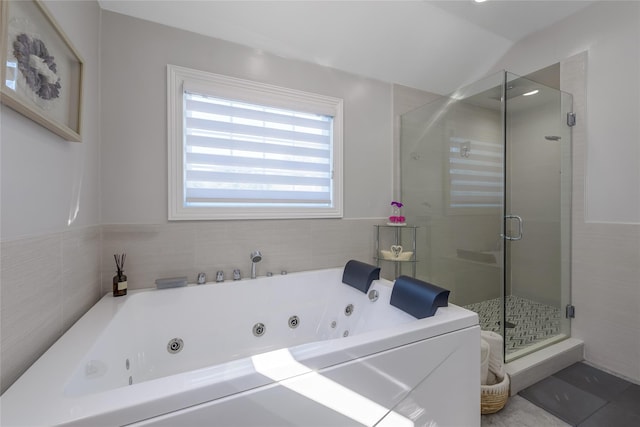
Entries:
{"x":41,"y":72}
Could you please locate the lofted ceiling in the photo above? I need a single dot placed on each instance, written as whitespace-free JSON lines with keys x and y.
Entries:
{"x":432,"y":45}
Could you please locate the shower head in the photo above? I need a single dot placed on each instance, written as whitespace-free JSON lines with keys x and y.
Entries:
{"x":255,"y":256}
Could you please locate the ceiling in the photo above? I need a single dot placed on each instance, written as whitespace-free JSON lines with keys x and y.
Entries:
{"x":432,"y":45}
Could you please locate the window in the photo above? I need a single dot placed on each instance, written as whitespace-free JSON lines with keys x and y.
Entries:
{"x":240,"y":149}
{"x":475,"y":174}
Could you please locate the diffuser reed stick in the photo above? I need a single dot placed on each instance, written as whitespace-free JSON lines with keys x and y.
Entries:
{"x":120,"y":262}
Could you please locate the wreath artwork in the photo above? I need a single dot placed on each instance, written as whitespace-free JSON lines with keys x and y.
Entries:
{"x":37,"y":66}
{"x":41,"y":70}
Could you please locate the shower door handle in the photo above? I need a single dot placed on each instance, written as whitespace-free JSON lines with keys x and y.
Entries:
{"x":519,"y":220}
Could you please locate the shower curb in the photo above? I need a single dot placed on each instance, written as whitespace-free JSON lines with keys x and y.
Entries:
{"x":534,"y":367}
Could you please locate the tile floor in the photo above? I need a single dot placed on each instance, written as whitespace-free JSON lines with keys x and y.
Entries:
{"x":519,"y":412}
{"x":579,"y":395}
{"x":531,"y":321}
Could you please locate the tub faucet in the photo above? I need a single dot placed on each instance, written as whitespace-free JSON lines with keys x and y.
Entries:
{"x":255,"y":257}
{"x":202,"y":278}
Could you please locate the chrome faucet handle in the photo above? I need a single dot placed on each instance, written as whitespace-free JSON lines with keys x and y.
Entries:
{"x":220,"y":276}
{"x":202,"y":278}
{"x":236,"y":274}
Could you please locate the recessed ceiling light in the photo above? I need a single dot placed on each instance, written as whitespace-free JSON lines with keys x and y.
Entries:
{"x":480,"y":1}
{"x":533,"y":92}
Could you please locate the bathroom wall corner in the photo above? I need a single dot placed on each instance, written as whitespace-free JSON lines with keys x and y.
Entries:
{"x":48,"y":283}
{"x":80,"y":273}
{"x":31,"y":300}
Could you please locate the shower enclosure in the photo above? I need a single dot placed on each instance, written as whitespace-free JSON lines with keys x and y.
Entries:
{"x":486,"y":176}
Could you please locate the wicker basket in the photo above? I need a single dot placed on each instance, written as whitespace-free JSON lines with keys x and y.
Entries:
{"x":494,"y":397}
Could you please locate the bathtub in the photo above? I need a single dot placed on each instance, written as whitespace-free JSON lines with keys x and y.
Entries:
{"x":300,"y":349}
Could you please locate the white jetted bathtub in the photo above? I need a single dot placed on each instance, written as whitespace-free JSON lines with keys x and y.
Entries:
{"x":302,"y":349}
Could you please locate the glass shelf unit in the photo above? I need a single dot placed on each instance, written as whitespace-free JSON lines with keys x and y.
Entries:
{"x":392,"y":246}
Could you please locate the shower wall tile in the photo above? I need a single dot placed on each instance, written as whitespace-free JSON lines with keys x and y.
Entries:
{"x":606,"y":279}
{"x":226,"y":245}
{"x":334,"y":243}
{"x":153,"y":251}
{"x":185,"y":249}
{"x":31,"y":302}
{"x":80,"y":273}
{"x":217,"y":248}
{"x":47,"y":282}
{"x":573,"y":80}
{"x":605,"y":259}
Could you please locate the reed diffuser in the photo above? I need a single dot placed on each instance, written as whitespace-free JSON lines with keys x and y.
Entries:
{"x":120,"y":279}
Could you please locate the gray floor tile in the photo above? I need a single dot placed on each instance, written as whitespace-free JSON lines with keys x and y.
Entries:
{"x":522,"y":413}
{"x":629,"y":399}
{"x":594,"y":381}
{"x":563,"y":400}
{"x":612,"y":415}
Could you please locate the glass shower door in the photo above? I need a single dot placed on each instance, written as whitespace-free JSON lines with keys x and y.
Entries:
{"x":537,"y":215}
{"x":452,"y":182}
{"x":486,"y":176}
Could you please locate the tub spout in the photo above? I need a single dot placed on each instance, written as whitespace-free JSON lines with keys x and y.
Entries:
{"x":255,"y":257}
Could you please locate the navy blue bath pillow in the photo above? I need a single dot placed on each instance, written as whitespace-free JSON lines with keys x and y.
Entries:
{"x":418,"y":298}
{"x":360,"y":275}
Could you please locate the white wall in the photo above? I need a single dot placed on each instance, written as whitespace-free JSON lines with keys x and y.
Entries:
{"x":45,"y":178}
{"x":135,"y":54}
{"x":606,"y":164}
{"x":50,"y":202}
{"x":134,"y":138}
{"x":610,"y":32}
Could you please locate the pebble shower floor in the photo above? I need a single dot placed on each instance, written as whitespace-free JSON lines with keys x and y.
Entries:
{"x":533,"y":322}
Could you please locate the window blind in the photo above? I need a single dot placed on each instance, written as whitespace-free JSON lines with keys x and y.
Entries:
{"x":243,"y":154}
{"x":476,"y":175}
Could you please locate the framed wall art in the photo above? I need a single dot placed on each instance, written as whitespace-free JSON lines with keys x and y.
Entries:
{"x":41,"y":72}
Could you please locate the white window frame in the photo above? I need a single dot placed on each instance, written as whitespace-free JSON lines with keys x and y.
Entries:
{"x":252,"y":92}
